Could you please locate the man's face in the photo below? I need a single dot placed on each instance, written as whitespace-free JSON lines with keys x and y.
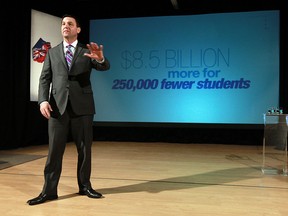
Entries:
{"x":69,"y":28}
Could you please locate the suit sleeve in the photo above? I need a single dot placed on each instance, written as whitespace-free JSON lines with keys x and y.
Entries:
{"x":101,"y":66}
{"x":45,"y":80}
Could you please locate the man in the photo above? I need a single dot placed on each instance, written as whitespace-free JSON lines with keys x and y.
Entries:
{"x":69,"y":106}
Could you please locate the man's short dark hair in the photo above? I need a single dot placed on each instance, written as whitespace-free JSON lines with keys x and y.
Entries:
{"x":73,"y":16}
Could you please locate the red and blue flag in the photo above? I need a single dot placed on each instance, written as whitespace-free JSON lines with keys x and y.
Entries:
{"x":39,"y":50}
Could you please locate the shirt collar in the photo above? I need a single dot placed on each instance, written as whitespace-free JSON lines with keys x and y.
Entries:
{"x":74,"y":44}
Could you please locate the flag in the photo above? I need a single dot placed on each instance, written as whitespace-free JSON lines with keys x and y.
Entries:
{"x":39,"y":50}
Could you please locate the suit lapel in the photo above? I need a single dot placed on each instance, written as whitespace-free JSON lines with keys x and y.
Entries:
{"x":62,"y":57}
{"x":76,"y":53}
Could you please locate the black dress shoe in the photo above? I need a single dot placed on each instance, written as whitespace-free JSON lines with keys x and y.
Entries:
{"x":41,"y":199}
{"x":91,"y":193}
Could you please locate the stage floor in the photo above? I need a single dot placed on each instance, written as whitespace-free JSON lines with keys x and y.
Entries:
{"x":157,"y":179}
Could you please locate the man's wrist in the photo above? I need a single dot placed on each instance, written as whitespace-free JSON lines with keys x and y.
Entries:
{"x":43,"y":102}
{"x":99,"y":61}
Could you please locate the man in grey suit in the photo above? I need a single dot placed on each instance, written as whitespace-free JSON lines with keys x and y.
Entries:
{"x":66,"y":99}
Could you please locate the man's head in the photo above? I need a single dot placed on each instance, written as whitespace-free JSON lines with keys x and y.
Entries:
{"x":70,"y":27}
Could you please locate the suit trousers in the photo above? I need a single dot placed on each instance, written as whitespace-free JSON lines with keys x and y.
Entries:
{"x":81,"y":129}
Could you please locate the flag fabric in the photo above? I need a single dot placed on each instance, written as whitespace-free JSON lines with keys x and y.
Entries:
{"x":40,"y":49}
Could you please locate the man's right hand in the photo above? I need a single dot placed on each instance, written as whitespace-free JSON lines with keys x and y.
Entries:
{"x":45,"y":109}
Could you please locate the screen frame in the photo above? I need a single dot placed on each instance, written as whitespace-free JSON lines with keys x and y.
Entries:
{"x":201,"y":125}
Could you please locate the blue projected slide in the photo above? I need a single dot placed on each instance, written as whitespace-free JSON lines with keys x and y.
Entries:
{"x":213,"y":68}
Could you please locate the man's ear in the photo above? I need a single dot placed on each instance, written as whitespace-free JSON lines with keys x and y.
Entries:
{"x":78,"y":30}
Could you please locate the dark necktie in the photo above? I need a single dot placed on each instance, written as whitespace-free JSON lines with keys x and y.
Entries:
{"x":69,"y":55}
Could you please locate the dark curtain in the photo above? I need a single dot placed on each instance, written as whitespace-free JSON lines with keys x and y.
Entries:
{"x":21,"y":123}
{"x":284,"y":57}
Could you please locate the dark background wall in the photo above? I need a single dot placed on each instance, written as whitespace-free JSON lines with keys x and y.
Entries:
{"x":21,"y":122}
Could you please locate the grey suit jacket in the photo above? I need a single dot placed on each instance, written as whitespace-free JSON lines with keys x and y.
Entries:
{"x":74,"y":84}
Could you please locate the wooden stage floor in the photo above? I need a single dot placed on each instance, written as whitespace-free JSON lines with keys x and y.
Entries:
{"x":156,"y":179}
